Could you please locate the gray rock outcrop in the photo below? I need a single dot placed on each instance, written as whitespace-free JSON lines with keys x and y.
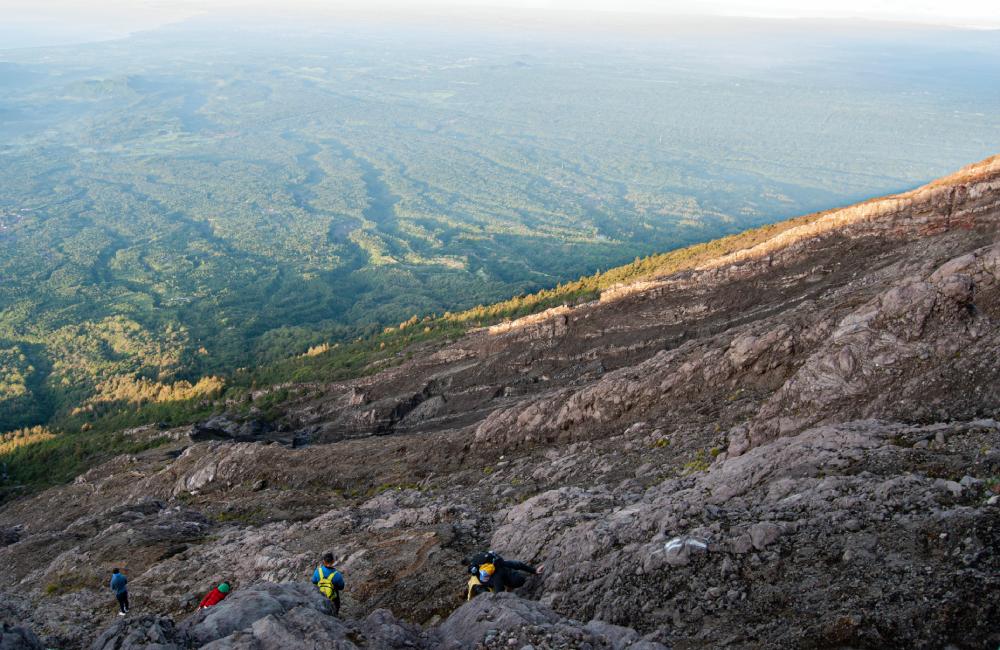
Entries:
{"x":18,"y":637}
{"x":795,"y":444}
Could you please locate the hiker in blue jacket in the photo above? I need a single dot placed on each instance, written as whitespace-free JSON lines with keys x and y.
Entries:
{"x":119,"y":585}
{"x":330,"y":581}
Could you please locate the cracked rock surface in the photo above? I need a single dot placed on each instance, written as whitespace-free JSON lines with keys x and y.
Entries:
{"x":794,"y":445}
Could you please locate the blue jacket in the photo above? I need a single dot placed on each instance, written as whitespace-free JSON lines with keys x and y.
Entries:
{"x":338,"y":579}
{"x":118,"y":583}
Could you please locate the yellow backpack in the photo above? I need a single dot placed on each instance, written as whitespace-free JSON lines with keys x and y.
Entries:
{"x":325,"y":583}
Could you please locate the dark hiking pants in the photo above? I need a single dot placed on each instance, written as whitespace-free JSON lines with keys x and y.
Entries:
{"x":122,"y":601}
{"x":336,"y":604}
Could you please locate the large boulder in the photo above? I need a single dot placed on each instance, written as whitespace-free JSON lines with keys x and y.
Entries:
{"x":246,"y":607}
{"x":17,"y":637}
{"x":143,"y":632}
{"x":221,"y":427}
{"x":506,"y":620}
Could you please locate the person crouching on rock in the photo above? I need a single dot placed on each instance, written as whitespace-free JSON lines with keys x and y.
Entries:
{"x":330,"y":581}
{"x":216,"y":596}
{"x":490,"y":572}
{"x":119,"y":585}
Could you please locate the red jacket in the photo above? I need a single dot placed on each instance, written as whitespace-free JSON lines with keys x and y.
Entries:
{"x":214,"y":597}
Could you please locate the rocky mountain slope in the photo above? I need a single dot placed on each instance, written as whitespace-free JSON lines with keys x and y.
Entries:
{"x":794,"y":445}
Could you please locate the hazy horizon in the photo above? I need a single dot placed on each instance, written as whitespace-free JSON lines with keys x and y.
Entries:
{"x":67,"y":22}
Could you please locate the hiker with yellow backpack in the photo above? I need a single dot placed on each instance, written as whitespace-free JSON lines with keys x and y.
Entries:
{"x":492,"y":573}
{"x":329,"y":581}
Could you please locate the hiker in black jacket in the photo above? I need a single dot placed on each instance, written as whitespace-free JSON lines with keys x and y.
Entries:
{"x":490,"y":572}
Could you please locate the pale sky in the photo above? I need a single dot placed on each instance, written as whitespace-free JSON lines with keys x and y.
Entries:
{"x":114,"y":18}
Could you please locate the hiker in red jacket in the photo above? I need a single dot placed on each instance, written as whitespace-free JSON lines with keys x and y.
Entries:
{"x":215,"y":596}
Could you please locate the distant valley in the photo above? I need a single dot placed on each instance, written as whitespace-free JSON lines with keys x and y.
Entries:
{"x":176,"y":205}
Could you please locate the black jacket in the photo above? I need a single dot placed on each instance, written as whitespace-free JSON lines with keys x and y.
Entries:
{"x":505,"y":576}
